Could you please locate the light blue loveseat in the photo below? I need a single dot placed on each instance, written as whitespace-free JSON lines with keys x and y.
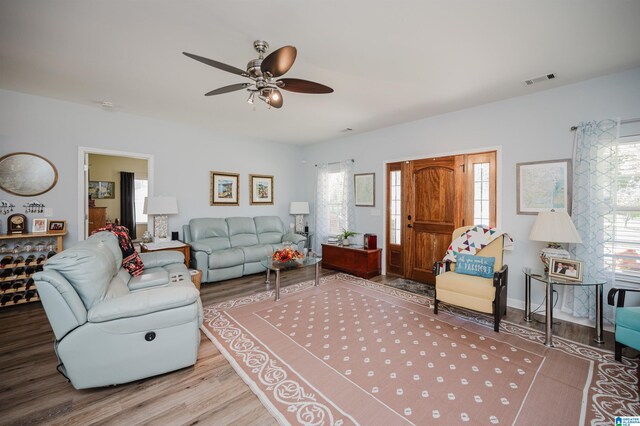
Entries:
{"x":113,"y":328}
{"x":230,"y":248}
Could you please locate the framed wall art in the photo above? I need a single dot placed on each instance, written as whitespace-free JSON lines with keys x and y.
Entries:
{"x":224,"y":189}
{"x":26,"y":174}
{"x":261,"y":189}
{"x":543,"y":185}
{"x":365,"y":187}
{"x":100,"y":189}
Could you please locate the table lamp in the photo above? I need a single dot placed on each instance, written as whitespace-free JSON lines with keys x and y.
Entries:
{"x":554,"y":228}
{"x":160,"y":207}
{"x":299,"y":209}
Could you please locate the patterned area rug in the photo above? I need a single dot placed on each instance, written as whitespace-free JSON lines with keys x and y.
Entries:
{"x":356,"y":352}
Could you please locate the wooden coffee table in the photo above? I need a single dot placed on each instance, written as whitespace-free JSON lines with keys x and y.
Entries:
{"x":272,"y":265}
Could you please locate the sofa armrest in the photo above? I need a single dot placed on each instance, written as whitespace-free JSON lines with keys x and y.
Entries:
{"x":294,"y":238}
{"x":612,"y":295}
{"x":143,"y":302}
{"x":197,"y":246}
{"x":161,"y":258}
{"x":500,"y":278}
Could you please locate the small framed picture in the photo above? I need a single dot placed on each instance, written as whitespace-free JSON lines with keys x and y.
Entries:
{"x":39,"y":225}
{"x":365,"y":186}
{"x":57,"y":226}
{"x":565,"y":269}
{"x":543,"y":185}
{"x":224,"y":189}
{"x":261,"y":188}
{"x":100,"y":189}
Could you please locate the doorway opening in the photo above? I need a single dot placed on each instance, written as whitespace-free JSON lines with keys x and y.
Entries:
{"x":427,"y":199}
{"x":112,"y":189}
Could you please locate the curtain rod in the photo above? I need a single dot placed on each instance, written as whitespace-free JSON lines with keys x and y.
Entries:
{"x":338,"y":162}
{"x":630,"y":120}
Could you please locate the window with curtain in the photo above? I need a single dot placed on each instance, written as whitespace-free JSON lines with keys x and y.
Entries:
{"x":141,"y":192}
{"x":622,"y":223}
{"x":335,"y":201}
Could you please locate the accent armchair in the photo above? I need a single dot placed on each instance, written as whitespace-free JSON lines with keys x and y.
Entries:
{"x":487,"y":295}
{"x":627,"y":321}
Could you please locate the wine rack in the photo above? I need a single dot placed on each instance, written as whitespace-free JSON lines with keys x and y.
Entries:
{"x":21,"y":256}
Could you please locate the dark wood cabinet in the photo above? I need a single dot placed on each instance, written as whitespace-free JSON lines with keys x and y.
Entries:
{"x":356,"y":261}
{"x":97,"y":218}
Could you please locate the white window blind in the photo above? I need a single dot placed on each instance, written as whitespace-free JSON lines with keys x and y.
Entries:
{"x":141,"y":192}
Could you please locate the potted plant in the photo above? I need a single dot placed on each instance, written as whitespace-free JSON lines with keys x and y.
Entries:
{"x":345,"y":236}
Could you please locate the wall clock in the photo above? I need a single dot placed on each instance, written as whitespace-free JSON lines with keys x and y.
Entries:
{"x":26,"y":174}
{"x":17,"y":224}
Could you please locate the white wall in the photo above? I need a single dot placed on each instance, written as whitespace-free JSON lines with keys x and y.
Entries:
{"x":183,"y":157}
{"x":527,"y":128}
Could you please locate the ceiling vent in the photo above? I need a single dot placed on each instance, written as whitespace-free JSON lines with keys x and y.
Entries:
{"x":540,"y":79}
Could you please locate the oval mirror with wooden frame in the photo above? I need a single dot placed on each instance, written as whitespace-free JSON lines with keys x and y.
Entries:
{"x":27,"y":174}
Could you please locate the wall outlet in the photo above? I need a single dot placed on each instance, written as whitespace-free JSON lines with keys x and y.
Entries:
{"x":48,"y":212}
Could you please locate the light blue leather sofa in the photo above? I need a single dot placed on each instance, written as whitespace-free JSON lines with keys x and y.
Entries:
{"x":230,"y":248}
{"x":113,"y":328}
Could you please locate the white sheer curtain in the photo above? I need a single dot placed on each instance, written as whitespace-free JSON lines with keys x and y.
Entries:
{"x":595,"y":166}
{"x":335,"y":207}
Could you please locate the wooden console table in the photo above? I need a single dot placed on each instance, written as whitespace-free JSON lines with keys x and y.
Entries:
{"x":352,"y":260}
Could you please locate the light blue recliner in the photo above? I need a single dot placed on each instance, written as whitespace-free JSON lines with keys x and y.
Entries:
{"x":627,"y":323}
{"x":112,"y":328}
{"x":230,"y":248}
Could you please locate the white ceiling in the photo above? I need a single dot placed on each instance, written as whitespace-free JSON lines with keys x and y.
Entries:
{"x":389,"y":61}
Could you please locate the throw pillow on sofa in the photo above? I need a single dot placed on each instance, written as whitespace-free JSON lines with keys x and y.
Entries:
{"x":131,"y":260}
{"x":478,"y":266}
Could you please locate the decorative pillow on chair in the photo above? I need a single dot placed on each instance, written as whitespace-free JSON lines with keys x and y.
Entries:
{"x":131,"y":260}
{"x":478,"y":266}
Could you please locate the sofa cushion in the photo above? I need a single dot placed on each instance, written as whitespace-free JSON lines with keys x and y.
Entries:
{"x":257,"y":253}
{"x":150,"y":278}
{"x":269,"y":229}
{"x":466,"y":284}
{"x":210,"y":244}
{"x":203,"y":228}
{"x":111,"y":241}
{"x":478,"y":266}
{"x":89,"y":267}
{"x":131,"y":259}
{"x":226,"y":258}
{"x":242,"y":231}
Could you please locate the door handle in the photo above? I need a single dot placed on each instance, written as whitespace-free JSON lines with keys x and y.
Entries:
{"x":409,"y":226}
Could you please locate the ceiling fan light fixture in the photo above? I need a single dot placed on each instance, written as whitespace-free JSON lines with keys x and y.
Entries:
{"x":251,"y":96}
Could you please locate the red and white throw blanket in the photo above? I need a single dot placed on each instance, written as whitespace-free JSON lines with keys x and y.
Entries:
{"x":474,"y":240}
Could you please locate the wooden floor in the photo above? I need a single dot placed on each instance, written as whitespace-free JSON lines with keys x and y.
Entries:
{"x":32,"y":392}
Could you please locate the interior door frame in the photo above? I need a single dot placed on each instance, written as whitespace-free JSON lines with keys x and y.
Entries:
{"x":499,"y":175}
{"x":83,"y":181}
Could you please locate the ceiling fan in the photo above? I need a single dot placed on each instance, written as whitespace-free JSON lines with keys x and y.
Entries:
{"x":264,"y":71}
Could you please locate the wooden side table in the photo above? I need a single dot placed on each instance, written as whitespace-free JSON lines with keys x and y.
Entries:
{"x":353,"y":260}
{"x":171,"y":245}
{"x":196,"y":277}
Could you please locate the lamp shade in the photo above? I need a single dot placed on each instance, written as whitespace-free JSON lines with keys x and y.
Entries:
{"x":160,"y":205}
{"x":554,"y":227}
{"x":299,"y":207}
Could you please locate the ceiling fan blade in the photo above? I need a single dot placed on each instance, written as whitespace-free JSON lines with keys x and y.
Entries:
{"x":279,"y":61}
{"x":216,"y":64}
{"x":227,"y":89}
{"x":302,"y":86}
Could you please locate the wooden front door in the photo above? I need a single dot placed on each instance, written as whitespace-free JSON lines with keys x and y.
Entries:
{"x":434,"y":206}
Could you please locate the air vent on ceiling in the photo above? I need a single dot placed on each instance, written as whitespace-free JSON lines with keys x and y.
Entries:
{"x":539,"y":79}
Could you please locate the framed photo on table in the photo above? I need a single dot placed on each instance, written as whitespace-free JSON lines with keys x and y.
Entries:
{"x":543,"y":185}
{"x":57,"y":226}
{"x":565,"y":269}
{"x":365,"y":188}
{"x":261,"y":189}
{"x":224,"y":189}
{"x":39,"y":225}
